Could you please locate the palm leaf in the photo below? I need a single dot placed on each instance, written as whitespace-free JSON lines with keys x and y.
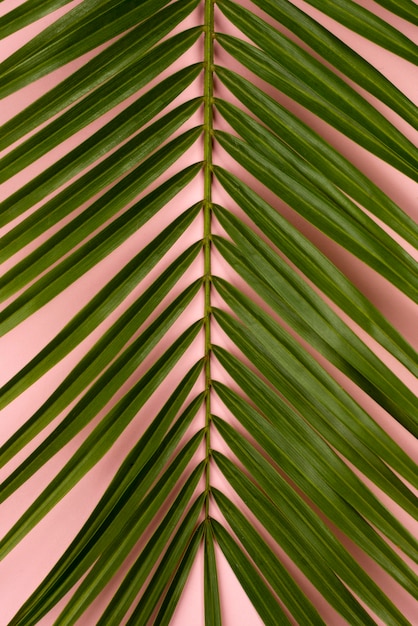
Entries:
{"x":169,"y":137}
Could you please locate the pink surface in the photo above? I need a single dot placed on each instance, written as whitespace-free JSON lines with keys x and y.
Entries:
{"x":22,"y":570}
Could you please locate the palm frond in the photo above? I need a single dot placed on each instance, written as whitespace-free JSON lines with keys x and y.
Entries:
{"x":240,"y":408}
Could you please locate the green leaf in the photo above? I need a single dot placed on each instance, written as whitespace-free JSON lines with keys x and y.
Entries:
{"x":379,"y":242}
{"x":327,"y":216}
{"x":320,"y":154}
{"x":94,"y":105}
{"x":333,"y":101}
{"x":139,"y":468}
{"x":84,"y":28}
{"x":404,"y":8}
{"x":344,"y":58}
{"x":289,"y":296}
{"x":28,"y":13}
{"x":260,"y":595}
{"x":99,"y":307}
{"x":116,"y":551}
{"x":100,"y":355}
{"x":101,"y":392}
{"x":110,"y":237}
{"x":211,"y":588}
{"x":372,"y":509}
{"x":59,"y":278}
{"x":317,"y":268}
{"x":320,"y":399}
{"x":137,"y":575}
{"x":283,"y":436}
{"x":117,"y":197}
{"x":122,"y":127}
{"x":299,"y":537}
{"x":100,"y":440}
{"x":131,"y":112}
{"x":185,"y":538}
{"x":175,"y":589}
{"x":264,"y":558}
{"x":371,"y":26}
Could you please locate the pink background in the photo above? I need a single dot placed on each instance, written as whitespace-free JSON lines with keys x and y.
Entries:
{"x":22,"y":570}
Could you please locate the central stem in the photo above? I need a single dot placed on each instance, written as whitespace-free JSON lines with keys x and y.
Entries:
{"x":207,"y":217}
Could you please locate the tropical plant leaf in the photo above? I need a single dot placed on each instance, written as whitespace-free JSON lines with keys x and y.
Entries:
{"x":138,"y":468}
{"x":183,"y":544}
{"x":212,"y":603}
{"x":137,"y":576}
{"x":316,"y":88}
{"x":325,"y":333}
{"x":345,"y":59}
{"x":298,"y":543}
{"x":406,"y":9}
{"x":364,"y":22}
{"x":103,"y":352}
{"x":258,"y":592}
{"x":316,"y":267}
{"x":304,"y":141}
{"x":265,"y":559}
{"x":82,"y":29}
{"x":354,"y":527}
{"x":315,"y":207}
{"x":203,"y":140}
{"x":117,"y":550}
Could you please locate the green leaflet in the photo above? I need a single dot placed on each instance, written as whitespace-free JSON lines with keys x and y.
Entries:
{"x":280,"y":513}
{"x":27,"y":13}
{"x":333,"y":101}
{"x":133,"y":472}
{"x":294,"y":301}
{"x":97,"y":359}
{"x":84,"y":80}
{"x":117,"y":550}
{"x":96,"y":216}
{"x":308,"y":175}
{"x":317,"y":78}
{"x":99,"y":307}
{"x":283,"y":435}
{"x":100,"y":393}
{"x":122,"y":127}
{"x":307,"y":385}
{"x":136,"y":577}
{"x":319,"y":153}
{"x":265,"y":559}
{"x":179,"y":580}
{"x":185,"y":543}
{"x":79,"y":31}
{"x":100,"y":440}
{"x":404,"y":8}
{"x":371,"y":26}
{"x":56,"y":280}
{"x":316,"y":267}
{"x":326,"y":215}
{"x":20,"y":201}
{"x":211,"y":591}
{"x":260,"y":595}
{"x":345,"y":59}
